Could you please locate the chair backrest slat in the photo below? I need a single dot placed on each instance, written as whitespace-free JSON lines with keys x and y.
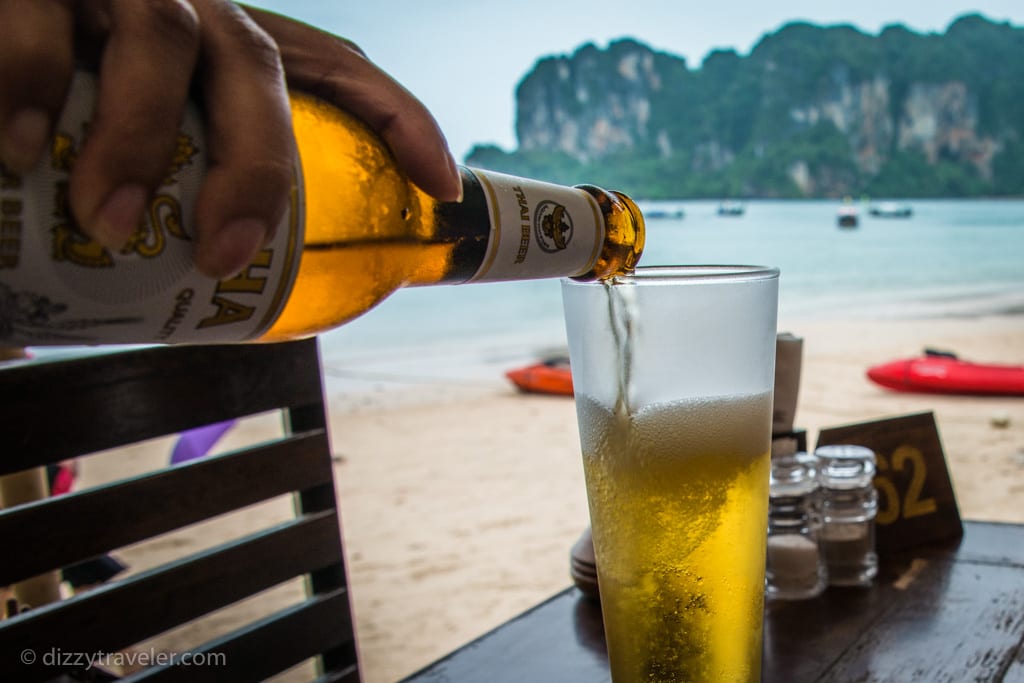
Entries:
{"x":130,"y":511}
{"x":51,"y":410}
{"x":321,"y":623}
{"x":148,"y":604}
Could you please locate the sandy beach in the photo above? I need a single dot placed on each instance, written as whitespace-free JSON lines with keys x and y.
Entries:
{"x":460,"y":502}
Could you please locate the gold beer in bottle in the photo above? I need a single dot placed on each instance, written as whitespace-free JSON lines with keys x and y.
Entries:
{"x":357,"y":230}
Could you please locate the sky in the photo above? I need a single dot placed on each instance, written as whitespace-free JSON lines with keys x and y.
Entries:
{"x":464,"y":58}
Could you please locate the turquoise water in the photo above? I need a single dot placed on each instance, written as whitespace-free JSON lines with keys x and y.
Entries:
{"x":950,"y":258}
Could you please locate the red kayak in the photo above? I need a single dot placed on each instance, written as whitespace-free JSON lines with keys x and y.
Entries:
{"x":547,"y":377}
{"x":944,"y":373}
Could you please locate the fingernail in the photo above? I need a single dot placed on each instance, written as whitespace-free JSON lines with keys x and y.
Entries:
{"x":119,"y":217}
{"x":24,"y":138}
{"x":232,"y":248}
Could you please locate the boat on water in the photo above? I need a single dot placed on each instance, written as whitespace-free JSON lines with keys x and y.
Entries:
{"x":891,"y":210}
{"x":549,"y":376}
{"x":731,"y":208}
{"x":847,"y":216}
{"x":940,"y":372}
{"x":663,"y":213}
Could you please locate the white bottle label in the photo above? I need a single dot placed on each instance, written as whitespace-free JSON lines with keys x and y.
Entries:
{"x":538,"y":230}
{"x":57,"y":287}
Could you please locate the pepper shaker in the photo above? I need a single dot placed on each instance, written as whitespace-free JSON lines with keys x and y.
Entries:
{"x":849,"y":504}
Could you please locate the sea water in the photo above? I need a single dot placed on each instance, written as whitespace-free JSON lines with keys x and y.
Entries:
{"x":951,"y":258}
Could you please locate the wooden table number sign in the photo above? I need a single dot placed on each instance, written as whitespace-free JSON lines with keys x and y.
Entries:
{"x":916,"y":501}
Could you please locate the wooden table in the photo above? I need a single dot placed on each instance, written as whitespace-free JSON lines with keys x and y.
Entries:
{"x":951,"y":612}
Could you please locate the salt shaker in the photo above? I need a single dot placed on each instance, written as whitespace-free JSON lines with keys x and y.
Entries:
{"x":849,"y":504}
{"x":795,"y":568}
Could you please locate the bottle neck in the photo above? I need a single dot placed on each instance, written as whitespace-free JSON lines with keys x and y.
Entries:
{"x":510,"y":228}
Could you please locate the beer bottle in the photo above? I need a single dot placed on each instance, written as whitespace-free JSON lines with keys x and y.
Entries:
{"x":357,"y":230}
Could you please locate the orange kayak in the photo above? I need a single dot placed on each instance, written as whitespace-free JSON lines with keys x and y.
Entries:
{"x":547,"y":377}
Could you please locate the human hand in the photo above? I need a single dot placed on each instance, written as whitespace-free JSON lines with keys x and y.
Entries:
{"x":148,"y":55}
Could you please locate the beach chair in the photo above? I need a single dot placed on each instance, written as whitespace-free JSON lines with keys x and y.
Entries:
{"x":52,"y":410}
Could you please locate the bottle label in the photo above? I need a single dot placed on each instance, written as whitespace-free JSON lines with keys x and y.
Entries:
{"x":58,"y":287}
{"x":538,"y":229}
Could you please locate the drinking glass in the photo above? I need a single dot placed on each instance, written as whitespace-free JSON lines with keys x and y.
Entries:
{"x":673,"y":370}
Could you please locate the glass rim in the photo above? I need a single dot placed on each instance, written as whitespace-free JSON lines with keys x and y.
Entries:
{"x":690,"y":274}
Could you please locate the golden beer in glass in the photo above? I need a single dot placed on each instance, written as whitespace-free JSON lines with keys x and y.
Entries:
{"x":673,"y":370}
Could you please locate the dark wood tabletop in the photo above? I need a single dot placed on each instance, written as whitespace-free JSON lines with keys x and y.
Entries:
{"x":945,"y":612}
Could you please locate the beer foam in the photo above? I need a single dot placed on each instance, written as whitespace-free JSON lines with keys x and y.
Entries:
{"x":722,"y":424}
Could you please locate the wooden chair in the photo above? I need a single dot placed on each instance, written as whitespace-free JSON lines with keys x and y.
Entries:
{"x":54,"y":410}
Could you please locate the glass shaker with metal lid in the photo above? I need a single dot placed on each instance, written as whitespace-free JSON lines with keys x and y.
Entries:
{"x":795,"y":568}
{"x":849,"y":504}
